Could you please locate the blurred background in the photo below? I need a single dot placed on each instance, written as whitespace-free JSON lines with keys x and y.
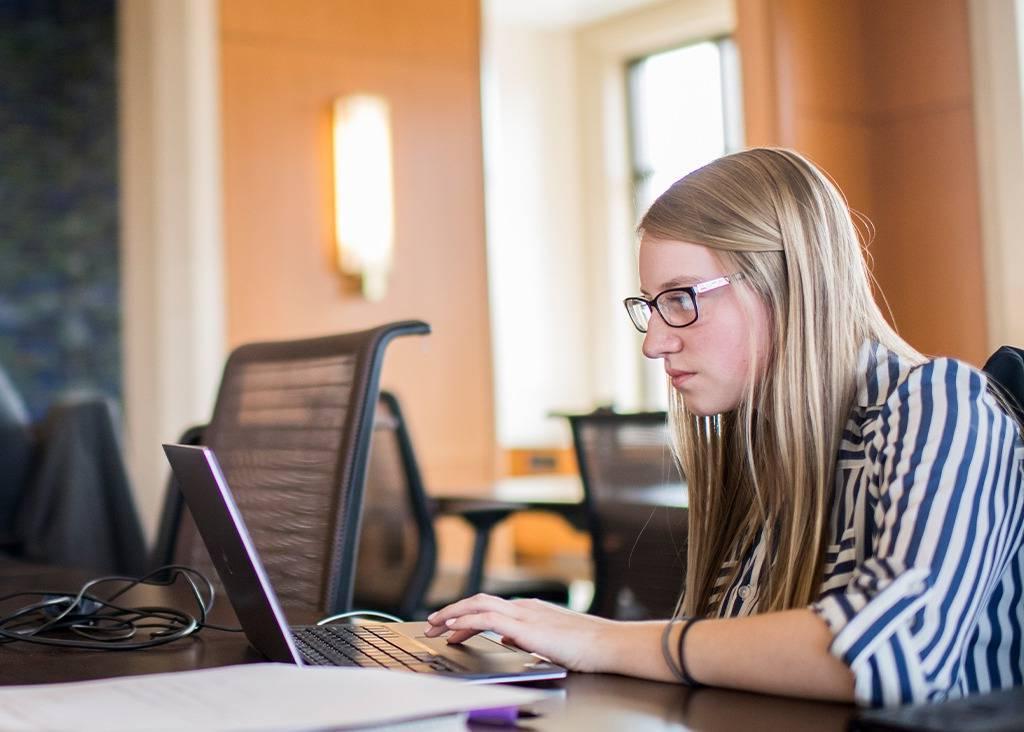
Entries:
{"x":168,"y":171}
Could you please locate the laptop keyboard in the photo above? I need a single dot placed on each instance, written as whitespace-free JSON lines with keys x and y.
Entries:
{"x":369,"y":646}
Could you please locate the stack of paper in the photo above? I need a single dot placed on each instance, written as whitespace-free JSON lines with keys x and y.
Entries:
{"x":252,"y":697}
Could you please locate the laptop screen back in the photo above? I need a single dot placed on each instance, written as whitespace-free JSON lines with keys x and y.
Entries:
{"x":222,"y":529}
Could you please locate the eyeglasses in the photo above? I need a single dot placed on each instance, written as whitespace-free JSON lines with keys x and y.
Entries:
{"x":677,"y":306}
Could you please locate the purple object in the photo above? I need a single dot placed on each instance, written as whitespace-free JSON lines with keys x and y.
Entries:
{"x":495,"y":715}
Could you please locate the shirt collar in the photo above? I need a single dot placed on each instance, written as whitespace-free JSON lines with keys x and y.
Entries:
{"x":879,"y":370}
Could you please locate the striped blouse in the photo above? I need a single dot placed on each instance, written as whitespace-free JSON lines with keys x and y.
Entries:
{"x":924,"y":573}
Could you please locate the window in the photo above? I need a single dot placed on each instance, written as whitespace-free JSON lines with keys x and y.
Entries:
{"x":684,"y":112}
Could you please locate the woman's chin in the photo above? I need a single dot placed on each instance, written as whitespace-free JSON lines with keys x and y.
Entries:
{"x":703,"y":406}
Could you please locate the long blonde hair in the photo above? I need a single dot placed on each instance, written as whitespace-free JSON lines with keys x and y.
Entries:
{"x":766,"y":470}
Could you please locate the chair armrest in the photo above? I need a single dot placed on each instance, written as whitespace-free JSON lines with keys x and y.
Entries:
{"x":482,"y":515}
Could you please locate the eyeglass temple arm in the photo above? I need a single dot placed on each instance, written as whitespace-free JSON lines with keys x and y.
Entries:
{"x":712,"y":284}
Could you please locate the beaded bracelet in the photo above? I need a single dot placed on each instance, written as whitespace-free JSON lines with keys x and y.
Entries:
{"x":683,"y":671}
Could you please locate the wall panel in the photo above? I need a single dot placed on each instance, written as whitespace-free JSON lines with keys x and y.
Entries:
{"x":879,"y":93}
{"x":283,"y":63}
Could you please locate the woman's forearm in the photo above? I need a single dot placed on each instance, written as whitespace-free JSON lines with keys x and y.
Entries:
{"x":775,"y":653}
{"x":635,"y":649}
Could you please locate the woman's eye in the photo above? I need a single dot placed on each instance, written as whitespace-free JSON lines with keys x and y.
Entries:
{"x":681,"y":301}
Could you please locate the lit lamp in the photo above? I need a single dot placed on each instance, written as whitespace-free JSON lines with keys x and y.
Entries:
{"x":364,"y":228}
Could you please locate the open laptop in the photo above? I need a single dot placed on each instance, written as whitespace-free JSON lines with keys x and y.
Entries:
{"x":401,"y":646}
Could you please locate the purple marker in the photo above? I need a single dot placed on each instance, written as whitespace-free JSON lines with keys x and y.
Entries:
{"x":495,"y":715}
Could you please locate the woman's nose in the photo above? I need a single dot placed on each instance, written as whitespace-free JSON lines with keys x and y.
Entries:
{"x":660,"y":340}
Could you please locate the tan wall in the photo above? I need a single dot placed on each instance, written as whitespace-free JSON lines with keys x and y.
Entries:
{"x":283,"y":62}
{"x":879,"y":93}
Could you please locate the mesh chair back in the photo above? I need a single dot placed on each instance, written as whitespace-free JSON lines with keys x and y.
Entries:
{"x":17,"y":443}
{"x":397,"y":546}
{"x":632,"y":494}
{"x":1006,"y":368}
{"x":174,"y":505}
{"x":291,"y":429}
{"x":78,"y":509}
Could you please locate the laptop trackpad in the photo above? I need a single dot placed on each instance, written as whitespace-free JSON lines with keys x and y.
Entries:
{"x":476,"y":644}
{"x":483,"y":645}
{"x":483,"y":658}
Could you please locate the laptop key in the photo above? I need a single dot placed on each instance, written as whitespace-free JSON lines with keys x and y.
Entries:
{"x":404,"y":642}
{"x":317,"y":658}
{"x":337,"y":654}
{"x":378,"y":646}
{"x":421,"y":667}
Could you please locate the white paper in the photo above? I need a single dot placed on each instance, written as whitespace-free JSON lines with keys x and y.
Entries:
{"x":252,"y":697}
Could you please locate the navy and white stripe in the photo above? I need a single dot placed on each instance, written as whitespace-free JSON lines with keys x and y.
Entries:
{"x":924,"y":574}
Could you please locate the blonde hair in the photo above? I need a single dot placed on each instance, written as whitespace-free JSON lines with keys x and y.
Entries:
{"x":766,"y":470}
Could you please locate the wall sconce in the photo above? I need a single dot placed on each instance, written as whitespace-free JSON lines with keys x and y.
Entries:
{"x":364,"y":228}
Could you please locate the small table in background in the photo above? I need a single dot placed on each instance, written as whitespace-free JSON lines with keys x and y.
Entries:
{"x":485,"y":507}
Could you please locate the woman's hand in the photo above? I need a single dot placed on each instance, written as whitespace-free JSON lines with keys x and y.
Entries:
{"x":567,"y":638}
{"x":776,"y":653}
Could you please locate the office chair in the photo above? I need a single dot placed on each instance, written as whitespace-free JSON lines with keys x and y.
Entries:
{"x":638,"y":537}
{"x":1006,"y":368}
{"x":397,"y":554}
{"x":291,"y":429}
{"x":78,"y":509}
{"x":64,"y":492}
{"x":397,"y":568}
{"x":17,"y":443}
{"x":173,"y":508}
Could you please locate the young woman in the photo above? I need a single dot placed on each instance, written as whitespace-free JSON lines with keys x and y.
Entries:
{"x":856,"y":511}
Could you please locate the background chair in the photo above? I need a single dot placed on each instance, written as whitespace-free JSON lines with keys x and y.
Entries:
{"x":291,"y":428}
{"x":397,"y":559}
{"x":397,"y":555}
{"x":174,"y":505}
{"x":64,"y":492}
{"x":77,"y":509}
{"x":638,"y":537}
{"x":17,"y":443}
{"x":1006,"y":367}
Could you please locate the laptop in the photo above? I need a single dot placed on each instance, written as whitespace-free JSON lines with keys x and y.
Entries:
{"x":400,"y":646}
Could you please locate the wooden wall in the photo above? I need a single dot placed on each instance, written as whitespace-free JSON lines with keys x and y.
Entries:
{"x":283,"y":62}
{"x":879,"y":93}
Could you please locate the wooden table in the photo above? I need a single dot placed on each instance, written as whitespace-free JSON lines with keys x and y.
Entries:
{"x":486,"y":506}
{"x":558,"y":493}
{"x":561,"y":494}
{"x":580,"y":702}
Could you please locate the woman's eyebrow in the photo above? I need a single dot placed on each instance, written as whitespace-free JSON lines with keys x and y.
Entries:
{"x":681,"y":281}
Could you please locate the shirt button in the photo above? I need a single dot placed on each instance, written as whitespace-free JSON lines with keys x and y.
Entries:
{"x":743,"y":591}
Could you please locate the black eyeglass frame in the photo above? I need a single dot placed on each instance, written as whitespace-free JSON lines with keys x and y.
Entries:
{"x":691,"y":290}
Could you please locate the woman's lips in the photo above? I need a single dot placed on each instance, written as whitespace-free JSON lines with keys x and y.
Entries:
{"x":679,"y":377}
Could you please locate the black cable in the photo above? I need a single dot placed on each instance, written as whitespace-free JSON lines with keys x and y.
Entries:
{"x":100,"y":624}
